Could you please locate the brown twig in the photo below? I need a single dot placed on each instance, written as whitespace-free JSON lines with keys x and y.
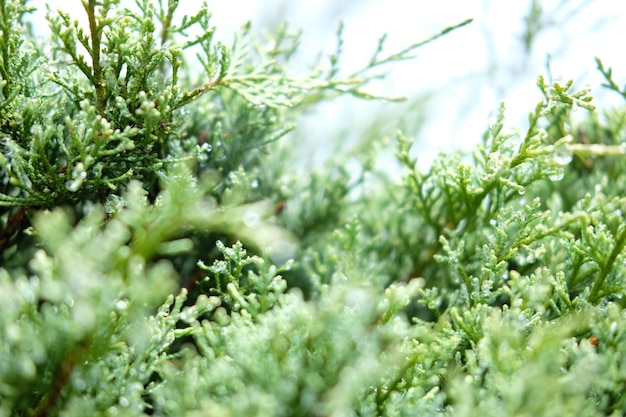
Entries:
{"x":62,"y":377}
{"x":95,"y":55}
{"x":15,"y":223}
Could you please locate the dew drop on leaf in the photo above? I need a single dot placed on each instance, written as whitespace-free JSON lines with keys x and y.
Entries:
{"x":557,"y":175}
{"x":187,"y":315}
{"x":562,"y":156}
{"x":78,"y":177}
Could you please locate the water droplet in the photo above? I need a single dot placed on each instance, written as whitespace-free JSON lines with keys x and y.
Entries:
{"x":188,"y":315}
{"x":121,"y":305}
{"x":254,"y":184}
{"x":521,"y":190}
{"x":219,"y":267}
{"x":562,"y":156}
{"x":557,"y":175}
{"x":124,"y":402}
{"x":78,"y":177}
{"x":113,"y":204}
{"x":72,"y":186}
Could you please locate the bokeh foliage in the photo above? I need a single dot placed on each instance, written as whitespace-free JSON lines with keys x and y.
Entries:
{"x":157,"y":258}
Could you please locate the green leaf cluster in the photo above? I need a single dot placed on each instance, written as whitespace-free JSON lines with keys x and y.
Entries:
{"x":159,"y":257}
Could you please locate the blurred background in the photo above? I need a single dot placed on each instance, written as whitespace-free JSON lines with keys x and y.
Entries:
{"x":456,"y":83}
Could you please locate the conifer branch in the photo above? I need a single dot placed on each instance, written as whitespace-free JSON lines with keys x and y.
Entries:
{"x":160,"y":255}
{"x":95,"y":30}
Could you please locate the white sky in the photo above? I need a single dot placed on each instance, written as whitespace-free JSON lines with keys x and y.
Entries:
{"x":471,"y":70}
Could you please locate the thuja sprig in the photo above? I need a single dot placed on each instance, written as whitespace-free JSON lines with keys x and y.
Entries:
{"x":596,"y":255}
{"x":73,"y":35}
{"x":453,"y":199}
{"x":530,"y":238}
{"x":608,"y":76}
{"x":15,"y":64}
{"x":253,"y":291}
{"x":96,"y":25}
{"x":264,"y":81}
{"x":56,"y":149}
{"x":98,"y":280}
{"x":21,"y":105}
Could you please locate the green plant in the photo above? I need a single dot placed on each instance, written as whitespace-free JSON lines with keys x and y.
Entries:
{"x":156,"y":259}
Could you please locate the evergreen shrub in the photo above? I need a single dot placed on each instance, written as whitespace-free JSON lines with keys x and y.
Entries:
{"x":160,"y":257}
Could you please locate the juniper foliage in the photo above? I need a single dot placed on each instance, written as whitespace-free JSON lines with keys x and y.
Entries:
{"x":157,"y":260}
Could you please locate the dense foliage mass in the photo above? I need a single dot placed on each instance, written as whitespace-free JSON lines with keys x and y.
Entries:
{"x":158,"y":256}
